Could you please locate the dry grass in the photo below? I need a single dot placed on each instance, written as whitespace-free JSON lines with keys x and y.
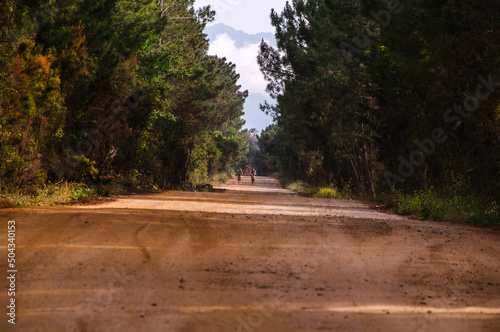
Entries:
{"x":51,"y":194}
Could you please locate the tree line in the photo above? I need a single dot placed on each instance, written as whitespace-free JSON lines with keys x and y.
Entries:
{"x":92,"y":88}
{"x":385,"y":95}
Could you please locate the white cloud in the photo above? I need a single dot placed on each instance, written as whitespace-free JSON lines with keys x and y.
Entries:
{"x":251,"y":16}
{"x":245,"y":58}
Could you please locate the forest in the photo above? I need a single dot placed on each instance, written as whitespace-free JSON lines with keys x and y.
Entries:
{"x":397,"y":97}
{"x":114,"y":89}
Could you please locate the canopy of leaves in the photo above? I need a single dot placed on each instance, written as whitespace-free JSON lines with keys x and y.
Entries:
{"x":361,"y":84}
{"x":126,"y":86}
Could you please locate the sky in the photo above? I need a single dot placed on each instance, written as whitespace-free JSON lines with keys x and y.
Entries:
{"x":252,"y":17}
{"x":251,"y":78}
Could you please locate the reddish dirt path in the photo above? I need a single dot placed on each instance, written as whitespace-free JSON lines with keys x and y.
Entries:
{"x":250,"y":258}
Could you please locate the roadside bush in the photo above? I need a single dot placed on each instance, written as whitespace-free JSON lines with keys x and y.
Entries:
{"x":212,"y":180}
{"x":302,"y":188}
{"x":83,"y":169}
{"x":81,"y":192}
{"x":330,"y":193}
{"x":430,"y":206}
{"x":220,"y":178}
{"x":102,"y":191}
{"x":50,"y":194}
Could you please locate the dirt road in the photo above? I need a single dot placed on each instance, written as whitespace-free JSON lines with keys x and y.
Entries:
{"x":249,"y":258}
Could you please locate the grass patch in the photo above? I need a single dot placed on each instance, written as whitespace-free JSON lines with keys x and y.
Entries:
{"x":304,"y":188}
{"x":424,"y":205}
{"x":330,"y":193}
{"x":50,"y":194}
{"x":64,"y":192}
{"x":204,"y":183}
{"x":301,"y":188}
{"x":219,"y":178}
{"x":430,"y":206}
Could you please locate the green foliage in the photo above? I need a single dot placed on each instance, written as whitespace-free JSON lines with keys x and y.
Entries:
{"x":123,"y":88}
{"x":357,"y":95}
{"x":319,"y":92}
{"x":83,"y":169}
{"x":32,"y":114}
{"x":431,"y":206}
{"x":206,"y":183}
{"x":302,"y":188}
{"x":47,"y":195}
{"x":414,"y":91}
{"x":265,"y":156}
{"x":331,"y":193}
{"x":80,"y":193}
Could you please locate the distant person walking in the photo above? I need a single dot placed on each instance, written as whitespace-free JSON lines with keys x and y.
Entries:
{"x":253,"y":174}
{"x":239,"y":172}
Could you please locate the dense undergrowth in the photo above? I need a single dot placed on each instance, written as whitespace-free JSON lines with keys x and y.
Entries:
{"x":306,"y":189}
{"x":52,"y":194}
{"x":399,"y":113}
{"x":424,"y":205}
{"x":68,"y":192}
{"x":430,"y":205}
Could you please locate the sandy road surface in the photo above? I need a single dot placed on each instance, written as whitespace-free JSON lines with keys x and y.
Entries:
{"x":250,"y":258}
